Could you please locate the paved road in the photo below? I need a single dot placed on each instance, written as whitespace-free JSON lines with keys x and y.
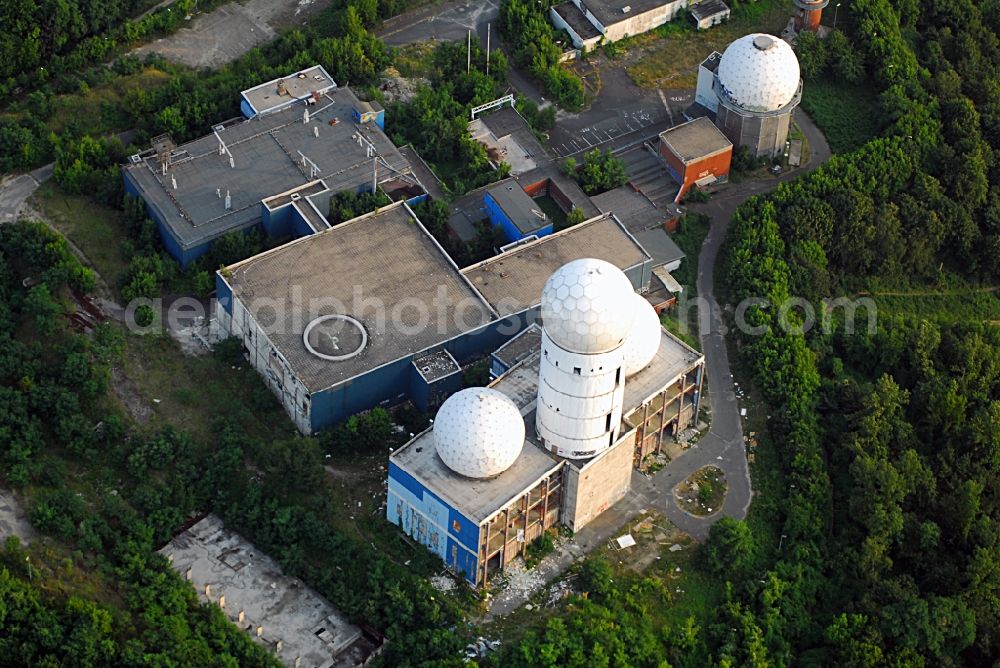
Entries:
{"x":15,"y":190}
{"x":723,"y":446}
{"x":443,"y":21}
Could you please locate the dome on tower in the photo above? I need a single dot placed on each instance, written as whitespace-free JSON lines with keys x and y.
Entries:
{"x":759,"y":73}
{"x":478,"y":432}
{"x":644,"y":339}
{"x":587,"y":306}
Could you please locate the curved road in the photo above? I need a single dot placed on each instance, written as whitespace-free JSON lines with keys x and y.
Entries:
{"x":723,"y":445}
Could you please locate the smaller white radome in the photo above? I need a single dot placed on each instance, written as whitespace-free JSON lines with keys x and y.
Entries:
{"x":759,"y":73}
{"x":478,"y":432}
{"x":587,"y":306}
{"x":644,"y":339}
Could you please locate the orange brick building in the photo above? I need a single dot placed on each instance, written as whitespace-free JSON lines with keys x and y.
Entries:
{"x":696,"y":153}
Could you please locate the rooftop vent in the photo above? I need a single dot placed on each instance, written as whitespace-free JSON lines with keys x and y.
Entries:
{"x":763,"y":42}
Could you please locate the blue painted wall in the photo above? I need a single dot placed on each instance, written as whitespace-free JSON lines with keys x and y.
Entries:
{"x":171,"y":243}
{"x":300,"y":226}
{"x":499,"y":218}
{"x":378,"y":117}
{"x":224,"y":294}
{"x":392,"y":382}
{"x":245,"y":108}
{"x":407,"y":502}
{"x":426,"y":396}
{"x":277,"y":223}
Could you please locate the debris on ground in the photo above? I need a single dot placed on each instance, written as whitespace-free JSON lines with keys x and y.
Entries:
{"x":397,"y":88}
{"x":442,"y":583}
{"x":625,"y":541}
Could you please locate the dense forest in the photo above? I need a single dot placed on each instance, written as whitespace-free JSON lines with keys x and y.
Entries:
{"x":875,"y":540}
{"x":875,"y":536}
{"x":115,"y":493}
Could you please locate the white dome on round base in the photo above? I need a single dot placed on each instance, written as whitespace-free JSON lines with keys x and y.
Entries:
{"x":644,"y":339}
{"x":587,"y":306}
{"x":759,"y":73}
{"x":478,"y":432}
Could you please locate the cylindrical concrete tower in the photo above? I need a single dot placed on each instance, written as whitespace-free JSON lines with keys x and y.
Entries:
{"x":587,"y":313}
{"x":809,"y":14}
{"x":758,"y":87}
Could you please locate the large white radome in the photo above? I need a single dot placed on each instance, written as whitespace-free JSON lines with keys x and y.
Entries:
{"x":759,"y":73}
{"x":644,"y":339}
{"x":587,"y":306}
{"x":478,"y":432}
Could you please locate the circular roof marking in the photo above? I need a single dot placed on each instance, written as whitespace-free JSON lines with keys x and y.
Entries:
{"x":334,"y":342}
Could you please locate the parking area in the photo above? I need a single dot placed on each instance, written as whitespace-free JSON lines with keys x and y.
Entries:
{"x":442,"y":21}
{"x":622,"y":113}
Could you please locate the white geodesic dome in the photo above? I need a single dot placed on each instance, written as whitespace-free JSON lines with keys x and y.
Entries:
{"x":644,"y":339}
{"x":759,"y":73}
{"x":478,"y":432}
{"x":587,"y":306}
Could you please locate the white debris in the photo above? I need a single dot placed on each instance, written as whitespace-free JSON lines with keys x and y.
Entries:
{"x":625,"y":541}
{"x":442,"y":583}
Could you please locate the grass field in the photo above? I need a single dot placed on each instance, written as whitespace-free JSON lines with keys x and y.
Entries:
{"x":95,"y":229}
{"x":671,"y":58}
{"x":847,"y":114}
{"x":414,"y":60}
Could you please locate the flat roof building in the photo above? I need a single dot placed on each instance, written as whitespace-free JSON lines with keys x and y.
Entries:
{"x":203,"y":189}
{"x":708,"y":13}
{"x":285,"y":91}
{"x":508,"y":138}
{"x":512,"y":282}
{"x":696,"y":153}
{"x":751,"y":91}
{"x":333,"y":321}
{"x":611,"y":19}
{"x":510,"y":209}
{"x":301,"y":627}
{"x":478,"y":526}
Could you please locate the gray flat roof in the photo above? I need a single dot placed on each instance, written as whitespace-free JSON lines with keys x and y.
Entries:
{"x":609,"y":12}
{"x":479,"y":499}
{"x":575,"y":19}
{"x":265,"y":153}
{"x":435,"y":366}
{"x":634,"y":210}
{"x":660,"y":246}
{"x":512,"y":282}
{"x":527,"y":217}
{"x":520,"y":346}
{"x":673,"y":358}
{"x":475,"y":499}
{"x":428,"y":179}
{"x":711,"y":63}
{"x":695,"y":140}
{"x":707,"y":8}
{"x":370,"y":268}
{"x":265,"y":97}
{"x":307,"y":625}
